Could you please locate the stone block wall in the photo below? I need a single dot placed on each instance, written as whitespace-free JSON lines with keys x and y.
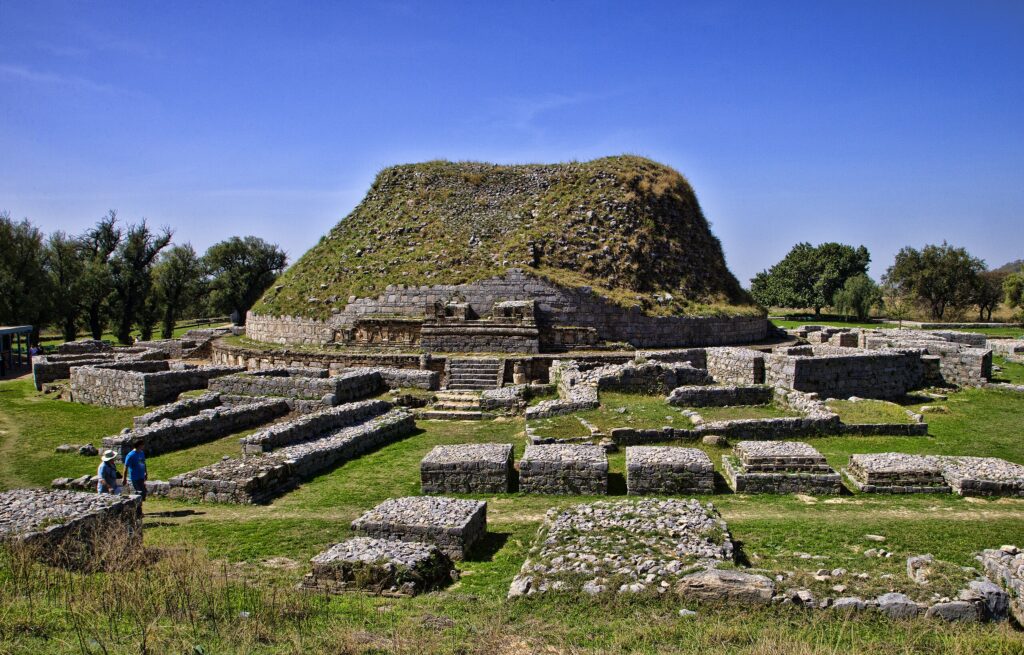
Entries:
{"x":736,"y":365}
{"x":350,"y":385}
{"x":453,"y":525}
{"x":312,"y":426}
{"x":179,"y":409}
{"x":122,"y":385}
{"x":207,"y":425}
{"x":564,"y":469}
{"x":721,"y":396}
{"x":668,"y":470}
{"x":845,"y":372}
{"x":467,"y":468}
{"x":260,"y":478}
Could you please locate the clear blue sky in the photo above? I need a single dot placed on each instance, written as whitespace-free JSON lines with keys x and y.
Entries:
{"x":882,"y":123}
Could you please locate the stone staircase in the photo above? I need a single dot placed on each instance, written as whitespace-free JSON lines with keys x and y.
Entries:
{"x":456,"y":406}
{"x":474,"y":374}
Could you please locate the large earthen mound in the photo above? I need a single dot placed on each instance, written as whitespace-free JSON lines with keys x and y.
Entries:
{"x":627,"y":227}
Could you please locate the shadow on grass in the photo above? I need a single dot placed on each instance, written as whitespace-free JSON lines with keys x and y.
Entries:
{"x":616,"y":484}
{"x":485,"y":549}
{"x":740,"y":554}
{"x":176,"y":513}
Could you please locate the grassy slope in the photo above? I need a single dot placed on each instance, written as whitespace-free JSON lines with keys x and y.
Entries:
{"x":771,"y":530}
{"x":626,"y":226}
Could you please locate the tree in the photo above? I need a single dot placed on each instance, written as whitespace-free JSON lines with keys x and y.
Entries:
{"x":178,"y":280}
{"x":99,"y":245}
{"x":65,"y":264}
{"x":809,"y":276}
{"x":897,"y":303}
{"x":988,"y":293}
{"x":132,"y":273}
{"x":240,"y":270}
{"x":941,"y":278}
{"x":1013,"y":287}
{"x":858,"y":296}
{"x":24,"y":284}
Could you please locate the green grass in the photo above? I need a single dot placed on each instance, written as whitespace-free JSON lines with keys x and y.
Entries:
{"x":1013,"y":372}
{"x":617,"y":410}
{"x":264,"y":551}
{"x":869,"y":411}
{"x":999,"y":331}
{"x":738,"y":412}
{"x":52,"y":340}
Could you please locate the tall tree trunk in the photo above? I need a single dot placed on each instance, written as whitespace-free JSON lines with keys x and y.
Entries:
{"x":70,"y":328}
{"x":96,"y":320}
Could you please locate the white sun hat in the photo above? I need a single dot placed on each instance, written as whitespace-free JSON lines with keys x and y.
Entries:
{"x":109,"y":455}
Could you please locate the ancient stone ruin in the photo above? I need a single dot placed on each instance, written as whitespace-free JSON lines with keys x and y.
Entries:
{"x":382,"y":566}
{"x":467,"y":468}
{"x":668,"y":470}
{"x":564,"y":469}
{"x":779,"y":467}
{"x":451,"y":524}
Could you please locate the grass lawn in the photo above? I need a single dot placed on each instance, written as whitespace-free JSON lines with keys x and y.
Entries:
{"x":735,"y":413}
{"x":220,"y":560}
{"x":995,"y":331}
{"x":1012,"y":371}
{"x":52,"y":340}
{"x":869,"y":411}
{"x":617,"y":410}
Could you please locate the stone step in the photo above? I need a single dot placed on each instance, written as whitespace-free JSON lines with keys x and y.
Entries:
{"x":457,"y":396}
{"x":451,"y":406}
{"x":482,"y":360}
{"x":490,"y":379}
{"x":470,"y":387}
{"x":454,"y":415}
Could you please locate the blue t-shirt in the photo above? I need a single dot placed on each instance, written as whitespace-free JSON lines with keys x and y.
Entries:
{"x":135,"y":464}
{"x":108,"y":474}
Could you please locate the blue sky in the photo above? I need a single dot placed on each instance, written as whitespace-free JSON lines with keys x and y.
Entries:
{"x":876,"y":123}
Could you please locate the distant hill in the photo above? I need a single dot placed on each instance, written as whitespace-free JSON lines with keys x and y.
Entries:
{"x":628,"y":227}
{"x":1011,"y":267}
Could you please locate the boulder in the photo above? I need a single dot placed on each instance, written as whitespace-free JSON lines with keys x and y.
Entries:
{"x":956,"y":610}
{"x":727,"y":585}
{"x":997,"y":601}
{"x":848,"y":604}
{"x":897,"y":606}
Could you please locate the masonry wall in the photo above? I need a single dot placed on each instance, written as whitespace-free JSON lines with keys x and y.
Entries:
{"x":113,"y":386}
{"x":556,"y":305}
{"x":887,"y":374}
{"x":735,"y":365}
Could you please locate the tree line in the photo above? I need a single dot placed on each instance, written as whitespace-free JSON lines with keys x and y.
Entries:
{"x":125,"y":276}
{"x":940,"y":281}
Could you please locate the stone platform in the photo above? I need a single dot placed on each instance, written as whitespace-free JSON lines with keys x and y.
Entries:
{"x":583,"y":548}
{"x":564,"y":469}
{"x":381,"y":566}
{"x":467,"y":468}
{"x":64,"y":527}
{"x":896,"y":473}
{"x":668,"y":470}
{"x":452,"y":524}
{"x":779,"y":467}
{"x":983,"y":476}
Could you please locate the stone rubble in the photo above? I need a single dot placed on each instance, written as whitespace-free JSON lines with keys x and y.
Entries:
{"x":383,"y":566}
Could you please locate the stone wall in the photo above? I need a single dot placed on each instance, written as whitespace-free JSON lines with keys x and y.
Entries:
{"x":260,"y":478}
{"x":556,"y":305}
{"x":1006,"y":566}
{"x":312,"y":426}
{"x":467,"y":469}
{"x":207,"y":425}
{"x":50,"y":368}
{"x":178,"y":409}
{"x":844,"y":372}
{"x":959,"y":364}
{"x":345,"y":387}
{"x":735,"y":365}
{"x":720,"y":396}
{"x":112,"y":385}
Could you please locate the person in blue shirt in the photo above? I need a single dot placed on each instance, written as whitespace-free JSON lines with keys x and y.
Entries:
{"x":107,"y":474}
{"x":135,"y":468}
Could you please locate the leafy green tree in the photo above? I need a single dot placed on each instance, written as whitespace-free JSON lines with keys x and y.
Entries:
{"x":988,"y":293}
{"x":1013,"y":287}
{"x":240,"y":270}
{"x":132,"y":270}
{"x":99,"y":245}
{"x":65,"y":264}
{"x":179,"y":279}
{"x":858,"y":297}
{"x":809,"y":276}
{"x":24,"y":284}
{"x":897,"y":303}
{"x":942,"y":278}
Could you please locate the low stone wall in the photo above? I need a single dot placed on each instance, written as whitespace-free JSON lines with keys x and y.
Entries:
{"x":348,"y":386}
{"x":125,"y":385}
{"x":779,"y":468}
{"x":844,"y":372}
{"x":1006,"y":566}
{"x":896,"y":473}
{"x":959,"y":364}
{"x":62,"y":527}
{"x":83,"y":346}
{"x":982,"y":476}
{"x":207,"y":425}
{"x":1012,"y":349}
{"x":260,"y":478}
{"x":564,"y":469}
{"x":50,"y":368}
{"x":312,"y":426}
{"x":179,"y":409}
{"x":467,"y":469}
{"x":720,"y":396}
{"x":381,"y":566}
{"x":735,"y":365}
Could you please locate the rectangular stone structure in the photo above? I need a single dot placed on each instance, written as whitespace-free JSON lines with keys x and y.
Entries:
{"x":344,"y":387}
{"x":63,"y":527}
{"x":312,"y":426}
{"x":779,"y":467}
{"x":139,"y":383}
{"x":564,"y":469}
{"x":451,"y":524}
{"x":467,"y":468}
{"x":383,"y":566}
{"x":983,"y":476}
{"x":896,"y":473}
{"x":721,"y":395}
{"x":668,"y":470}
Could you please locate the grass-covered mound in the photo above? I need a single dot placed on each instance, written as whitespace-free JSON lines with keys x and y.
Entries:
{"x":627,"y":227}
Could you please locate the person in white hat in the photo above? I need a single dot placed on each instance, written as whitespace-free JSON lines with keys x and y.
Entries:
{"x":107,"y":474}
